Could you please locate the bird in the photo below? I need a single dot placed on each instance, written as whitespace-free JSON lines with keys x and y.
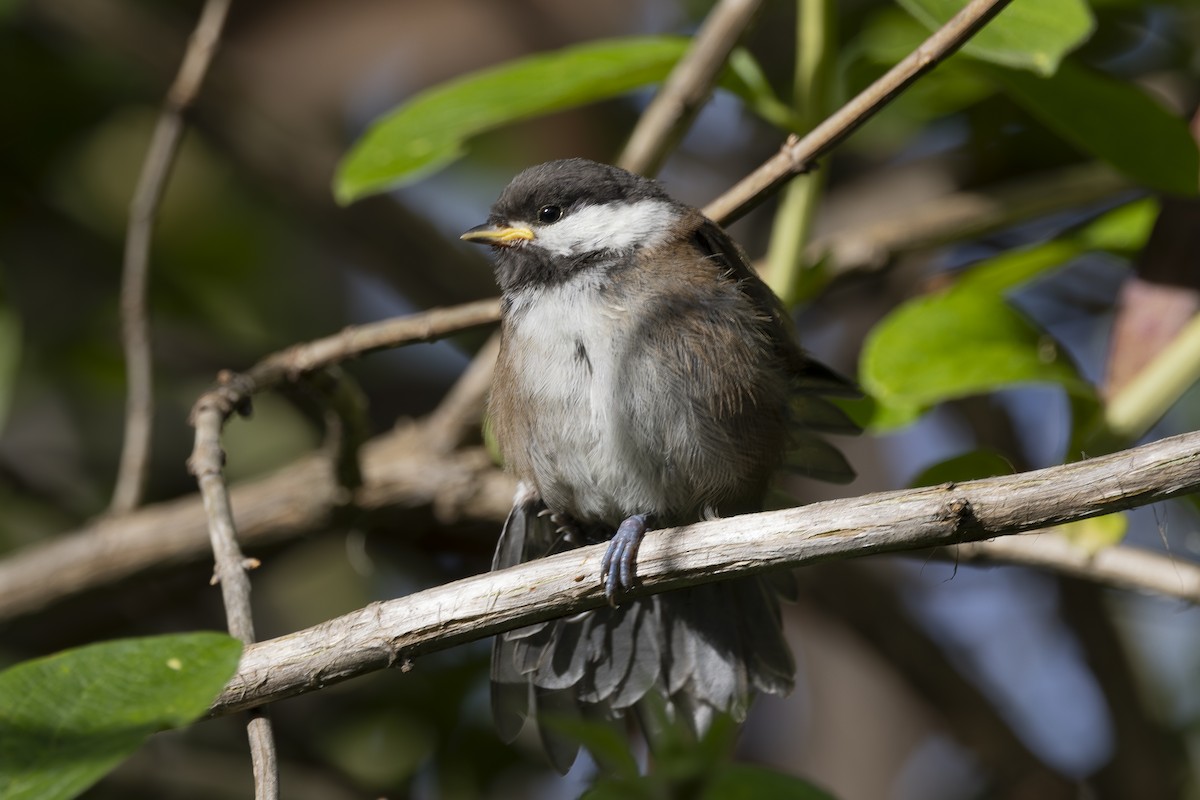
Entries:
{"x":647,"y":378}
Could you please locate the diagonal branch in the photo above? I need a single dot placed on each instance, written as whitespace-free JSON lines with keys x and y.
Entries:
{"x":687,"y":88}
{"x":392,"y":633}
{"x":797,"y":155}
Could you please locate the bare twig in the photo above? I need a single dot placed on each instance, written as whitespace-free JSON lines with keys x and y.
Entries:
{"x":687,"y":88}
{"x":964,"y":215}
{"x":207,"y":462}
{"x":1122,"y":567}
{"x":359,"y":340}
{"x":394,"y":632}
{"x":797,"y":155}
{"x":135,"y":326}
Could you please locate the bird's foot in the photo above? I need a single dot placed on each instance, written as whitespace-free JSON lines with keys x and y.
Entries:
{"x":618,"y":568}
{"x":565,"y":528}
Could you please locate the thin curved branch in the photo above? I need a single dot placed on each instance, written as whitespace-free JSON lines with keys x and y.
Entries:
{"x":394,"y":632}
{"x":143,"y":210}
{"x":797,"y":155}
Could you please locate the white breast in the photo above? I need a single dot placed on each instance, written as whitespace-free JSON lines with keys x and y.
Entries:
{"x":571,"y":340}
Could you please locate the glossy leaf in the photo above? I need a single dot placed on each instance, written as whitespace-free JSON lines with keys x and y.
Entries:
{"x":1032,"y":36}
{"x":432,"y":129}
{"x":69,"y":718}
{"x":955,"y":344}
{"x":1112,"y":120}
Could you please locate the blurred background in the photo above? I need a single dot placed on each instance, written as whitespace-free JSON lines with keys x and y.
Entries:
{"x":918,"y":678}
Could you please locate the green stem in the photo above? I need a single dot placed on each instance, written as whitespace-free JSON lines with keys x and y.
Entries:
{"x":1133,"y":410}
{"x":815,"y":40}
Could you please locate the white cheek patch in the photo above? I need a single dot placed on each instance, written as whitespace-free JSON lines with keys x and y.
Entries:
{"x":612,"y":226}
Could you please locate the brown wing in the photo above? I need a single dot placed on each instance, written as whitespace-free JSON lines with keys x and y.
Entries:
{"x":812,"y":381}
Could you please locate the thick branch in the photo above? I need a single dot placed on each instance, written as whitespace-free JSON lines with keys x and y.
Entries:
{"x":391,"y":633}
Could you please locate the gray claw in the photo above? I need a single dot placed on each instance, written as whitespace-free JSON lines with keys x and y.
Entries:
{"x":618,"y":568}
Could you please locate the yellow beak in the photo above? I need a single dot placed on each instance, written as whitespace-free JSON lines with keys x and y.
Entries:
{"x":497,"y":235}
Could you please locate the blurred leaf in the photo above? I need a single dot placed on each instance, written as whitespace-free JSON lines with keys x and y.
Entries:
{"x":1096,"y":534}
{"x":745,"y":78}
{"x":608,"y":746}
{"x":1123,"y":230}
{"x":69,"y":718}
{"x":377,"y":749}
{"x":747,"y":782}
{"x":1112,"y":120}
{"x":1032,"y":36}
{"x":10,"y":357}
{"x":954,"y":344}
{"x":965,"y":467}
{"x":431,"y":130}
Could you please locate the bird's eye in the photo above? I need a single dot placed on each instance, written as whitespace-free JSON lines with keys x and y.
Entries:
{"x":548,"y":214}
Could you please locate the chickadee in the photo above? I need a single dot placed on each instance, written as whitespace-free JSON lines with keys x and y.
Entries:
{"x":647,"y":378}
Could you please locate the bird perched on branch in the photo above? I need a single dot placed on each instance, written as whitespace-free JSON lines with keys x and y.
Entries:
{"x":647,"y":378}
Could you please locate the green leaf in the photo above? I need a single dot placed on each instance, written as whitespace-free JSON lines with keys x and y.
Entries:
{"x":1123,"y":230}
{"x":608,"y":747}
{"x":1112,"y":120}
{"x":1096,"y":534}
{"x":955,"y":344}
{"x":69,"y":718}
{"x":745,"y":78}
{"x":432,"y":129}
{"x":747,"y":782}
{"x":1033,"y":36}
{"x":970,"y":466}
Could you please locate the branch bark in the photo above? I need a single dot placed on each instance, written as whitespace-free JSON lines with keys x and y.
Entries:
{"x":687,"y":88}
{"x":143,"y":210}
{"x":797,"y":155}
{"x":394,"y":632}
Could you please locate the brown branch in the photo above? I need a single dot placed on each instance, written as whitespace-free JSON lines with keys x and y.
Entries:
{"x":687,"y":88}
{"x":139,"y":409}
{"x":1129,"y":568}
{"x":797,"y":155}
{"x":208,"y":459}
{"x":394,"y":632}
{"x":135,"y":326}
{"x":399,"y":471}
{"x":359,"y":340}
{"x":963,"y":215}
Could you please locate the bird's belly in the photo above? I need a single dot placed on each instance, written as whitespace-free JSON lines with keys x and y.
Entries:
{"x":584,"y":458}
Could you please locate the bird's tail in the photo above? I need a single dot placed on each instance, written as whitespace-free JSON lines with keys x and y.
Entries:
{"x":703,"y":650}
